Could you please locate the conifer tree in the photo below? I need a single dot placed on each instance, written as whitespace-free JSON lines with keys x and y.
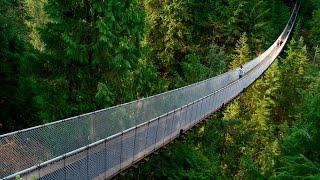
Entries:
{"x":292,"y":72}
{"x":183,"y":35}
{"x":241,"y":55}
{"x":300,"y":148}
{"x":38,"y":18}
{"x":253,"y":110}
{"x":14,"y":53}
{"x":168,"y":35}
{"x":93,"y":57}
{"x":315,"y":36}
{"x":264,"y":142}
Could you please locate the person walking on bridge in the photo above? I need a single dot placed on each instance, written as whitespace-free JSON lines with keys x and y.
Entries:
{"x":241,"y":72}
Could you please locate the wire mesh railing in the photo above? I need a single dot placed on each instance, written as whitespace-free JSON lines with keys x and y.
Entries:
{"x":100,"y":144}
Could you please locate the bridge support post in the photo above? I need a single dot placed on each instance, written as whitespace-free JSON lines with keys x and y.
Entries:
{"x":145,"y":145}
{"x":155,"y":138}
{"x":180,"y":120}
{"x":164,"y":133}
{"x":64,"y":166}
{"x":188,"y":115}
{"x":184,"y":118}
{"x":87,"y":149}
{"x":121,"y":149}
{"x":170,"y":129}
{"x":134,"y":143}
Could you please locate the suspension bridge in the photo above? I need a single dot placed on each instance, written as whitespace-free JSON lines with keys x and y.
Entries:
{"x":101,"y":144}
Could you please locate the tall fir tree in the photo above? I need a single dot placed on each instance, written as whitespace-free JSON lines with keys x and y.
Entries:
{"x":167,"y":36}
{"x":93,"y":57}
{"x":241,"y":55}
{"x":300,"y":148}
{"x":37,"y":19}
{"x":15,"y":55}
{"x":182,"y":36}
{"x":292,"y":70}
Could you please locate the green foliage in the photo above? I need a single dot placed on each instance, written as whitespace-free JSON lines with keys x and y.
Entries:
{"x":301,"y":146}
{"x":253,"y":136}
{"x":216,"y":60}
{"x":18,"y":177}
{"x":180,"y":39}
{"x":241,"y":55}
{"x":193,"y":69}
{"x":180,"y":30}
{"x":11,"y":49}
{"x":186,"y":162}
{"x":315,"y":32}
{"x":93,"y":57}
{"x":15,"y":55}
{"x":104,"y":94}
{"x":167,"y":35}
{"x":38,"y":18}
{"x":293,"y":70}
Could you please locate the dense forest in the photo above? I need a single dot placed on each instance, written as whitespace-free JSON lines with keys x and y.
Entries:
{"x":62,"y":58}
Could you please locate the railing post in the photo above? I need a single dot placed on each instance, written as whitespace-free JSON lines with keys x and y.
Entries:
{"x":87,"y":161}
{"x":121,"y":149}
{"x":197,"y":111}
{"x":202,"y":109}
{"x":155,"y":139}
{"x":176,"y":122}
{"x":196,"y":104}
{"x":191,"y":114}
{"x":145,"y":145}
{"x":180,"y":119}
{"x":211,"y":102}
{"x":105,"y":159}
{"x":134,"y":143}
{"x":207,"y":107}
{"x":172,"y":123}
{"x":64,"y":167}
{"x":164,"y":133}
{"x":210,"y":109}
{"x":185,"y":117}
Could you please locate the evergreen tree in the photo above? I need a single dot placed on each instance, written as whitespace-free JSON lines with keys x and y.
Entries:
{"x":14,"y":55}
{"x":241,"y":55}
{"x":37,"y":19}
{"x":264,"y":146}
{"x":300,"y":149}
{"x":93,"y":57}
{"x":315,"y":32}
{"x":236,"y":109}
{"x":255,"y":127}
{"x":314,"y":36}
{"x":182,"y":37}
{"x":167,"y":36}
{"x":293,"y":69}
